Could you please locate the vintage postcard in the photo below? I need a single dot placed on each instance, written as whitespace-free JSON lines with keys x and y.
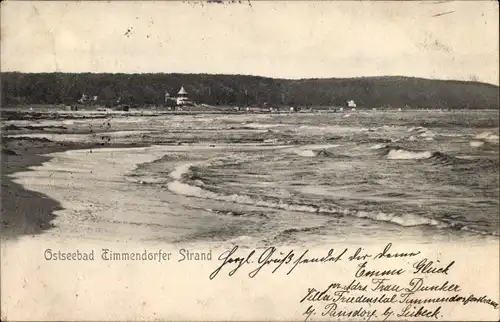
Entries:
{"x":250,"y":161}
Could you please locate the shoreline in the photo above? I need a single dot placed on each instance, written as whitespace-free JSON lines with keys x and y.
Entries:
{"x":26,"y":212}
{"x":23,"y":211}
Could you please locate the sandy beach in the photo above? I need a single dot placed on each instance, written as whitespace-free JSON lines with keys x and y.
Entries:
{"x":24,"y":211}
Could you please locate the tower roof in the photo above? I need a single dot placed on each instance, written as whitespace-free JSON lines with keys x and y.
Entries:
{"x":182,"y":91}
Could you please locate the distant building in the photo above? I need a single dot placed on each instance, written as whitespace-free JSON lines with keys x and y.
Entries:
{"x":169,"y":101}
{"x":178,"y":101}
{"x":182,"y":97}
{"x":351,"y":104}
{"x":87,"y":99}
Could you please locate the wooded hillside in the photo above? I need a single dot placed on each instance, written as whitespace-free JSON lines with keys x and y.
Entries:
{"x":146,"y":89}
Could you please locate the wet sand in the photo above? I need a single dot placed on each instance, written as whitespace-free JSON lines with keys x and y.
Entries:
{"x":26,"y":212}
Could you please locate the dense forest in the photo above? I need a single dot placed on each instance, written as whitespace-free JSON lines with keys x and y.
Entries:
{"x":241,"y":90}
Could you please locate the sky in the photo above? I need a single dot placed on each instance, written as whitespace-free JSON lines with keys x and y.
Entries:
{"x":282,"y":39}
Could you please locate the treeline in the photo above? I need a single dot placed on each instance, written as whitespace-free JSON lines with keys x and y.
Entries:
{"x":240,"y":90}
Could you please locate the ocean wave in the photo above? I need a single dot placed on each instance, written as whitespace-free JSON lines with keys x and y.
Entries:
{"x":194,"y":191}
{"x":445,"y":159}
{"x":405,"y":220}
{"x":487,"y":137}
{"x":261,"y":125}
{"x":378,"y":146}
{"x":421,"y":132}
{"x":437,"y":158}
{"x":315,"y":153}
{"x":477,"y":231}
{"x":476,"y":144}
{"x":180,"y":170}
{"x":313,"y":150}
{"x":418,"y":129}
{"x":400,"y":154}
{"x":484,"y":139}
{"x":306,"y":153}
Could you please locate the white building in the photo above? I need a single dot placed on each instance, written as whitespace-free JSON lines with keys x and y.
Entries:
{"x":87,"y":99}
{"x":182,"y":97}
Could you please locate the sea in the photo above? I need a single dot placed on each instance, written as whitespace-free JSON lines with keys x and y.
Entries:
{"x":274,"y":179}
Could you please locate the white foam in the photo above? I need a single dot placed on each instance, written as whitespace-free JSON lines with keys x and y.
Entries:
{"x":306,"y":153}
{"x":310,"y":150}
{"x":193,"y":191}
{"x":427,"y":135}
{"x":180,"y":170}
{"x":476,"y":144}
{"x":378,"y":146}
{"x":417,"y":129}
{"x":487,"y":137}
{"x":406,"y":220}
{"x":261,"y":126}
{"x":408,"y":155}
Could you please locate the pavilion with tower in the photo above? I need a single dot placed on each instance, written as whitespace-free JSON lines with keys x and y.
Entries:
{"x":182,"y":97}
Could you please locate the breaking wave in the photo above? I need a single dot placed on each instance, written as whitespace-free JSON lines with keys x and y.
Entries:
{"x":436,"y":157}
{"x":400,"y":154}
{"x":306,"y":153}
{"x":406,"y":220}
{"x":476,"y":144}
{"x":487,"y":137}
{"x":315,"y":153}
{"x":484,"y":139}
